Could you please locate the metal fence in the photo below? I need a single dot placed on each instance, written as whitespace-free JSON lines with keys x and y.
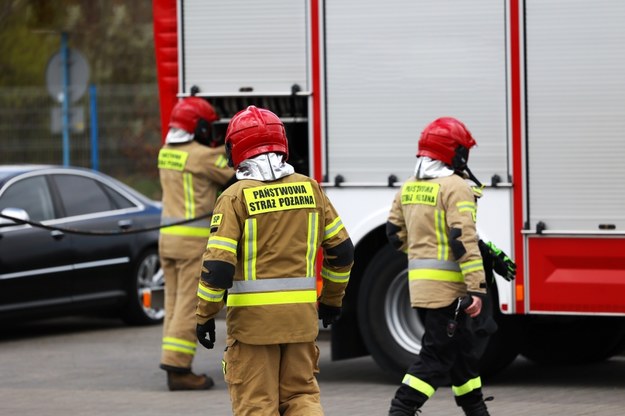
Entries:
{"x":128,"y":132}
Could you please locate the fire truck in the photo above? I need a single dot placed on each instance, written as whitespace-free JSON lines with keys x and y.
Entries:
{"x":540,"y":85}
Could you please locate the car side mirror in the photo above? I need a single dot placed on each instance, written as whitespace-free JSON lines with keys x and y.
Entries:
{"x":17,"y":213}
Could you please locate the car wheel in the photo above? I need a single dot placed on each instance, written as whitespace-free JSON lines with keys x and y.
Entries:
{"x":146,"y":287}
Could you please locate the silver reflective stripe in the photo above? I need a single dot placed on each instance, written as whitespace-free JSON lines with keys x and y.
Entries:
{"x":433,"y":264}
{"x":271,"y":285}
{"x":198,"y":223}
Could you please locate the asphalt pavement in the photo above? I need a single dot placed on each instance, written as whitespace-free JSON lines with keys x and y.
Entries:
{"x":86,"y":366}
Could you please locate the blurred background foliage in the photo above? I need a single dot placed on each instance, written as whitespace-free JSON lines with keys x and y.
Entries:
{"x":116,"y":38}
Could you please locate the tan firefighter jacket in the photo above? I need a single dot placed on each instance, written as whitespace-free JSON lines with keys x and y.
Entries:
{"x":434,"y":221}
{"x":263,"y":249}
{"x":191,"y":176}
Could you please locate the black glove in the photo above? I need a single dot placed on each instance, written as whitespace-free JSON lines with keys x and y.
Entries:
{"x":329,"y":314}
{"x":205,"y":329}
{"x":502,"y":264}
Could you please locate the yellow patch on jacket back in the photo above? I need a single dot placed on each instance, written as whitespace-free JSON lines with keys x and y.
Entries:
{"x":424,"y":193}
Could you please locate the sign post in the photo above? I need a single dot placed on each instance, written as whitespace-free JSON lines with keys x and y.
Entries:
{"x":66,"y":78}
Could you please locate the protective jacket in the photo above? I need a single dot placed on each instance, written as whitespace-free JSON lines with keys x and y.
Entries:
{"x":263,"y":248}
{"x":191,"y":176}
{"x":433,"y":220}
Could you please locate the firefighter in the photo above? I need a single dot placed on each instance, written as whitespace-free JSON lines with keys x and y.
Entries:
{"x":432,"y":218}
{"x":265,"y":235}
{"x":193,"y":168}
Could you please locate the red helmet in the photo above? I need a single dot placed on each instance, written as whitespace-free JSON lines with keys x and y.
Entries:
{"x":448,"y":140}
{"x":188,"y":112}
{"x":254,"y":131}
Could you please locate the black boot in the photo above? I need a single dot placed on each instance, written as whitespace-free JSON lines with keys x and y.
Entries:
{"x":399,"y":408}
{"x":407,"y":402}
{"x":476,"y":409}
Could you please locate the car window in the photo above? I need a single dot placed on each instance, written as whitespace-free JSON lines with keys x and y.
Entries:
{"x":32,"y":195}
{"x":119,"y":200}
{"x":81,"y":195}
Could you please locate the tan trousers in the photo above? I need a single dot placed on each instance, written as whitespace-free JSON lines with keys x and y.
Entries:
{"x":182,"y":277}
{"x":272,"y":380}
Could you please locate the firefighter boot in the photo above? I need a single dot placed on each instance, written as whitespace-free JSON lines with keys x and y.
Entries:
{"x":400,"y":409}
{"x":476,"y":409}
{"x":406,"y":402}
{"x":188,"y":381}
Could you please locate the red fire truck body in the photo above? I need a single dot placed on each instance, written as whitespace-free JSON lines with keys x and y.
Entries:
{"x":540,"y":86}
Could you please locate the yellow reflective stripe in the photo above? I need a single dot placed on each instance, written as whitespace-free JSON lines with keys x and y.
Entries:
{"x":179,"y":345}
{"x":172,"y":159}
{"x":419,"y":385}
{"x":189,"y":202}
{"x":466,"y":206}
{"x":186,"y":231}
{"x":337,"y":277}
{"x":441,"y":234}
{"x":249,"y":249}
{"x":435,"y":274}
{"x":333,"y":228}
{"x":221,"y":161}
{"x":272,"y":298}
{"x":311,"y":248}
{"x":467,"y":387}
{"x":210,"y":295}
{"x":471,"y":266}
{"x":222,"y":243}
{"x":478,"y":190}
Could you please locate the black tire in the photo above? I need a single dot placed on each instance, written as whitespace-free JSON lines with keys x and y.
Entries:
{"x":573,"y":340}
{"x":392,"y":330}
{"x":503,"y":346}
{"x":147,"y":276}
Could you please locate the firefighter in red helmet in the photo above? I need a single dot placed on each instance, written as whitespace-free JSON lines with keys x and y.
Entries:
{"x":433,"y":219}
{"x":265,"y":235}
{"x":193,"y":168}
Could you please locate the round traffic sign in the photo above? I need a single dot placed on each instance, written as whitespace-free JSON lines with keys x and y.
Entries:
{"x":78,"y":71}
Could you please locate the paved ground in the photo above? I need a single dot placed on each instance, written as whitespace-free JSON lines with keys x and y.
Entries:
{"x":99,"y":367}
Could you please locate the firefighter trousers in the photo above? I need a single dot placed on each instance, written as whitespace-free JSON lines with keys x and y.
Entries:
{"x":182,"y":277}
{"x":272,"y":380}
{"x":443,"y":359}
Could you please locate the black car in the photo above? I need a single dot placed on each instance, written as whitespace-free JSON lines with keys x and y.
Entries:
{"x":81,"y":249}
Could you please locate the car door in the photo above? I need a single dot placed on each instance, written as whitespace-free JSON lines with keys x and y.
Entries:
{"x":35,"y":263}
{"x":102,"y":262}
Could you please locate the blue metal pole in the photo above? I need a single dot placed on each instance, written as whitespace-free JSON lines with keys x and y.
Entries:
{"x":93,"y":110}
{"x":66,"y":98}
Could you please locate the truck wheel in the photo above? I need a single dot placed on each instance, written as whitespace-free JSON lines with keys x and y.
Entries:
{"x":392,"y":330}
{"x":573,"y":340}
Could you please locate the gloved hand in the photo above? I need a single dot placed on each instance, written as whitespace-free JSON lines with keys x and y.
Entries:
{"x":329,"y":314}
{"x":502,"y":264}
{"x":205,"y":329}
